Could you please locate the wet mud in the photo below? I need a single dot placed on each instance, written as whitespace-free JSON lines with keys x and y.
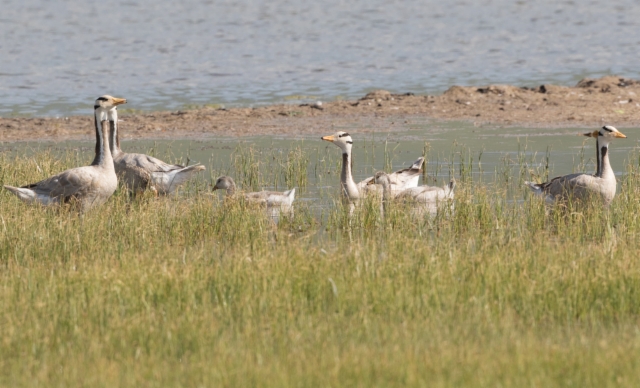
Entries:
{"x":609,"y":100}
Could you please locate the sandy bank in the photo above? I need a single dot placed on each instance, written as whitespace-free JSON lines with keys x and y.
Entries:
{"x":591,"y":103}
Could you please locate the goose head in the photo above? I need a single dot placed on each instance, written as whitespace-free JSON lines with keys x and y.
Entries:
{"x":224,"y":183}
{"x":107,"y":103}
{"x":341,"y":139}
{"x":606,"y":134}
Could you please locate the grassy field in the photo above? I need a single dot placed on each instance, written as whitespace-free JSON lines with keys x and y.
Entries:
{"x":190,"y":291}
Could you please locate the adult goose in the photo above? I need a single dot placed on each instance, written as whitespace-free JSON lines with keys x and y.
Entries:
{"x":422,"y":199}
{"x":352,"y":192}
{"x":84,"y":187}
{"x":581,"y":186}
{"x":140,"y":171}
{"x":277,"y":203}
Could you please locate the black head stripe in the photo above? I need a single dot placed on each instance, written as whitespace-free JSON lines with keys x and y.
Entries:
{"x":96,"y":106}
{"x":349,"y":142}
{"x":343,"y":134}
{"x":607,"y":129}
{"x":102,"y":99}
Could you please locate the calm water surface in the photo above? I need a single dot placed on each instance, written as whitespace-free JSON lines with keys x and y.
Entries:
{"x":57,"y":57}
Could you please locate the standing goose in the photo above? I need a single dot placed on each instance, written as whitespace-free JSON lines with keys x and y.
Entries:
{"x":425,"y":199}
{"x":276,"y":202}
{"x":86,"y":186}
{"x":352,"y":192}
{"x":141,"y":172}
{"x":581,"y":186}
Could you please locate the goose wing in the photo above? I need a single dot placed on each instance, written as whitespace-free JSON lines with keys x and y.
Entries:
{"x":259,"y":197}
{"x":408,"y":177}
{"x":135,"y":177}
{"x":271,"y":198}
{"x":400,"y":180}
{"x":281,"y":199}
{"x":70,"y":183}
{"x":421,"y":194}
{"x":148,"y":163}
{"x":576,"y":185}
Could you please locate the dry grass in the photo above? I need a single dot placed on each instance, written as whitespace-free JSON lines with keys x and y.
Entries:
{"x":189,"y":291}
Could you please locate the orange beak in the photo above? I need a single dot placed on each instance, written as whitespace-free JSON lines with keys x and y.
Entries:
{"x":620,"y":135}
{"x":119,"y":101}
{"x":329,"y":138}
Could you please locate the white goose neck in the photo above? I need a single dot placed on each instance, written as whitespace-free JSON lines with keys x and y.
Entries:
{"x":99,"y":118}
{"x":103,"y":156}
{"x":114,"y":145}
{"x":604,"y":171}
{"x":349,"y":188}
{"x":386,"y":187}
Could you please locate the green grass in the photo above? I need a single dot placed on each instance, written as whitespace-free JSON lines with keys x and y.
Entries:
{"x":192,"y":291}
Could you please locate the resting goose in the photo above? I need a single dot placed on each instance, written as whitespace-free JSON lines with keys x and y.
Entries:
{"x":352,"y":192}
{"x":425,"y":199}
{"x":275,"y":202}
{"x":86,"y":186}
{"x":581,"y":186}
{"x":140,"y":172}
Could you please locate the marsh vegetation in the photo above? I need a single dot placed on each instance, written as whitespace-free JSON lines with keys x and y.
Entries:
{"x":191,"y":291}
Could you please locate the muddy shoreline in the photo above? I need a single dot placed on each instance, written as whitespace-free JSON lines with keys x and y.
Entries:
{"x":609,"y":100}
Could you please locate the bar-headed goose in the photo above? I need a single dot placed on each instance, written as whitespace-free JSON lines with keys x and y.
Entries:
{"x":277,"y":203}
{"x":352,"y":192}
{"x":141,"y":172}
{"x":423,"y":199}
{"x":581,"y":186}
{"x":86,"y":186}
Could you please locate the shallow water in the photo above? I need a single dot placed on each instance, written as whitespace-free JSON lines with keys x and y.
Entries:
{"x":57,"y":57}
{"x":486,"y":155}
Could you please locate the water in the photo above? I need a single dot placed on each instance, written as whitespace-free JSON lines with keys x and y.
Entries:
{"x":57,"y":57}
{"x":495,"y":156}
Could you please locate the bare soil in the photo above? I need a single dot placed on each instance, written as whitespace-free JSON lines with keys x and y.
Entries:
{"x":609,"y":100}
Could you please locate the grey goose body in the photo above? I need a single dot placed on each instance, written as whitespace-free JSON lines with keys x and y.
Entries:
{"x":352,"y":192}
{"x":581,"y":186}
{"x":142,"y":172}
{"x":276,"y":203}
{"x":422,"y":199}
{"x":87,"y":186}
